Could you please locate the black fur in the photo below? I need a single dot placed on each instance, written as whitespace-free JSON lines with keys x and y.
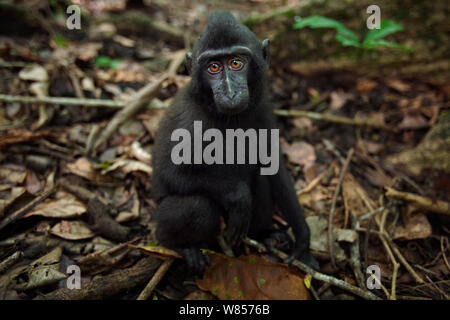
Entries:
{"x":192,"y":198}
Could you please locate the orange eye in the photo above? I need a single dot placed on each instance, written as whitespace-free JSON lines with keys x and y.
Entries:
{"x":236,"y":64}
{"x":214,"y":67}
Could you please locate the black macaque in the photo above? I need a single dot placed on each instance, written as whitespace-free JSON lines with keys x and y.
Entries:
{"x":227,"y":90}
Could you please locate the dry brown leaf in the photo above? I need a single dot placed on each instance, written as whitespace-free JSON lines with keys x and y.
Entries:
{"x":338,"y":99}
{"x":301,"y":153}
{"x":72,"y":230}
{"x":432,"y":152}
{"x":412,"y":122}
{"x":415,"y":226}
{"x":398,"y":85}
{"x":315,"y":198}
{"x":19,"y":136}
{"x":32,"y":183}
{"x":82,"y":167}
{"x":127,"y":166}
{"x":252,"y":278}
{"x":355,"y":197}
{"x":34,"y":72}
{"x":13,"y":175}
{"x":365,"y":85}
{"x":158,"y":251}
{"x":66,"y":206}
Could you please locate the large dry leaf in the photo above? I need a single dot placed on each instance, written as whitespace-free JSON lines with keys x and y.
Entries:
{"x":41,"y":272}
{"x":19,"y":136}
{"x":318,"y":226}
{"x":34,"y":72}
{"x":65,"y":206}
{"x":13,"y":176}
{"x":356,"y":199}
{"x":301,"y":153}
{"x":415,"y":226}
{"x":72,"y":230}
{"x":10,"y":194}
{"x":82,"y":167}
{"x":432,"y":153}
{"x":252,"y":278}
{"x":127,"y":166}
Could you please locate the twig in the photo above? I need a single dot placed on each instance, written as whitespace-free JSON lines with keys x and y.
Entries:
{"x":404,"y":262}
{"x":313,"y":183}
{"x":333,"y":206}
{"x":136,"y":103}
{"x":64,"y":101}
{"x":29,"y":206}
{"x":159,"y":274}
{"x":394,"y":281}
{"x":332,"y":118}
{"x":437,"y":206}
{"x":315,"y":274}
{"x":355,"y":254}
{"x":310,"y":105}
{"x":383,"y":237}
{"x":10,"y":261}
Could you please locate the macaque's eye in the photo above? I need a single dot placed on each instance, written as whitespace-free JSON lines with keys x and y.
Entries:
{"x":236,"y":64}
{"x":214,"y":67}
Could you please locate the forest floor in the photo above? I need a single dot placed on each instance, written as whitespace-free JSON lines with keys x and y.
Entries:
{"x":369,"y":153}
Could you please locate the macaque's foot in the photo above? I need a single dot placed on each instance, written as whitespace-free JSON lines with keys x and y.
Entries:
{"x":196,"y":260}
{"x":304,"y":256}
{"x":278,"y":240}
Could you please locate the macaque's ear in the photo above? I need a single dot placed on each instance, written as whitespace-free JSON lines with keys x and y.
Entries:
{"x":266,"y":50}
{"x":189,"y":61}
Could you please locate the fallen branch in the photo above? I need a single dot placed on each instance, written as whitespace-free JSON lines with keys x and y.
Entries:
{"x":29,"y":206}
{"x":64,"y":101}
{"x":333,"y":206}
{"x":315,"y":274}
{"x":107,"y":286}
{"x":426,"y":203}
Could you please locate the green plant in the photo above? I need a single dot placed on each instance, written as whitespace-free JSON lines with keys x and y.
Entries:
{"x":372,"y":40}
{"x":106,"y":62}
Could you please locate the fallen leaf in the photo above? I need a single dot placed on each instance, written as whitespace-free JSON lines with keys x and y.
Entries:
{"x":67,"y":206}
{"x":34,"y":72}
{"x":398,"y":85}
{"x":365,"y":85}
{"x":33,"y":184}
{"x":13,"y":176}
{"x":356,"y":199}
{"x":251,"y":278}
{"x":415,"y":226}
{"x":432,"y":152}
{"x":412,"y":122}
{"x":19,"y":136}
{"x":41,"y":272}
{"x":72,"y":230}
{"x":300,"y":152}
{"x":127,"y":166}
{"x":338,"y":99}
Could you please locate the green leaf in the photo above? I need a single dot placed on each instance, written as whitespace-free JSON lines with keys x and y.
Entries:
{"x":60,"y":41}
{"x":384,"y":43}
{"x":387,"y":27}
{"x":344,"y":35}
{"x":106,"y":62}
